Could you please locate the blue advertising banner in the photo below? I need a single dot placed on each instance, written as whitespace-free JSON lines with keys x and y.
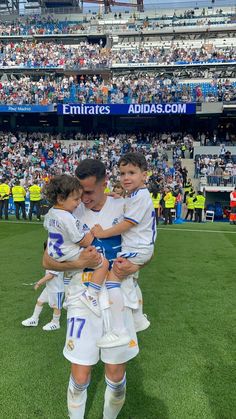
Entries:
{"x":124,"y":109}
{"x":27,"y":108}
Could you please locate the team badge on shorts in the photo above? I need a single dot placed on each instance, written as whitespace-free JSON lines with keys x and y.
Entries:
{"x":70,"y":345}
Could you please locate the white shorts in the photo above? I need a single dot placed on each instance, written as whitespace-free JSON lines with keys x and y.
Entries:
{"x":54,"y":299}
{"x":138,"y":258}
{"x":84,"y":328}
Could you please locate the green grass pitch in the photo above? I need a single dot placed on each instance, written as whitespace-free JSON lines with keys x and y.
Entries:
{"x":186,"y":368}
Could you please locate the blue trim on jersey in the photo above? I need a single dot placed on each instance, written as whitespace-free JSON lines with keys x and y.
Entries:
{"x":131,"y":219}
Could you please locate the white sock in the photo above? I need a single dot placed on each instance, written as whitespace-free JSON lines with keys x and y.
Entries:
{"x":76,"y":399}
{"x":56,"y":318}
{"x":37,"y":311}
{"x":114,"y":398}
{"x":139,"y":311}
{"x":94,"y":289}
{"x":116,"y":307}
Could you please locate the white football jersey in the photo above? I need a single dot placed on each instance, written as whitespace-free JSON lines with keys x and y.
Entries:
{"x":64,"y":234}
{"x":110,"y":214}
{"x":140,"y":211}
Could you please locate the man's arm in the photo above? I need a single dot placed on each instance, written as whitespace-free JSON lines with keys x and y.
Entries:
{"x":88,"y":258}
{"x":116,"y":230}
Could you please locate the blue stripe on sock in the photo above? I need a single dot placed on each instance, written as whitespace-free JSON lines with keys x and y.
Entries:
{"x":95,"y":286}
{"x":79,"y":387}
{"x":110,"y":285}
{"x":116,"y":386}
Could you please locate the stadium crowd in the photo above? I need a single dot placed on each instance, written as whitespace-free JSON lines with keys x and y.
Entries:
{"x":39,"y":155}
{"x":141,"y":88}
{"x":48,"y":25}
{"x":32,"y":54}
{"x":218,"y":168}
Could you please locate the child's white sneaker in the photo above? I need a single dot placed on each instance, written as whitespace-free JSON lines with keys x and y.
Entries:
{"x":51,"y":326}
{"x":111,"y":340}
{"x":91,"y":302}
{"x":141,"y":323}
{"x":30,"y":322}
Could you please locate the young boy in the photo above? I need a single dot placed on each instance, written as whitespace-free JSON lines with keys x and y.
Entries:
{"x":52,"y":294}
{"x":138,"y":229}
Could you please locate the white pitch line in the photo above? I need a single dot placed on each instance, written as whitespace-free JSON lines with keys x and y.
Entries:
{"x":197,"y":231}
{"x":21,"y":222}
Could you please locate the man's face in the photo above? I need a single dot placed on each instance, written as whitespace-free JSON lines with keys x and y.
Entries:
{"x":93,"y":195}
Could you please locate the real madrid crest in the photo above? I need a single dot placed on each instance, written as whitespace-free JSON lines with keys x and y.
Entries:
{"x":70,"y":345}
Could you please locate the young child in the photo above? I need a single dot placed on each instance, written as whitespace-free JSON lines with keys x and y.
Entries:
{"x":118,"y":189}
{"x":52,"y":294}
{"x":65,"y":235}
{"x":65,"y":239}
{"x":138,"y":229}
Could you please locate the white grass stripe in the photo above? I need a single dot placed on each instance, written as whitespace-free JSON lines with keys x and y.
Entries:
{"x":197,"y":231}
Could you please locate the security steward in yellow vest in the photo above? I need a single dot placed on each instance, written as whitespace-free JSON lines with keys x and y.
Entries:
{"x":187,"y":189}
{"x":199,"y":205}
{"x":4,"y":198}
{"x":169,"y":204}
{"x":190,"y":206}
{"x":35,"y":200}
{"x":19,"y":193}
{"x":156,"y":197}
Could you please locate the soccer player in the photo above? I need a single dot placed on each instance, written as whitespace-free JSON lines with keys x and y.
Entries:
{"x":52,"y":294}
{"x":138,"y":229}
{"x":65,"y":235}
{"x":85,"y":328}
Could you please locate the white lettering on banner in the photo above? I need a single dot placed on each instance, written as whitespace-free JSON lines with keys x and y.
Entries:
{"x":86,"y":110}
{"x":156,"y":109}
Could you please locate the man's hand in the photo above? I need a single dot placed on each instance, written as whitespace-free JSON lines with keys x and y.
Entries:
{"x":98,"y":231}
{"x":88,"y":258}
{"x":123,"y":268}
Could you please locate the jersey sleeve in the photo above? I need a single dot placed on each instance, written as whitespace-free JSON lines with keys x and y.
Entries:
{"x":74,"y":229}
{"x":135,"y":208}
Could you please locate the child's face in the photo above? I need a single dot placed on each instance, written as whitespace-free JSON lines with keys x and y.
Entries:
{"x":71,"y":202}
{"x":132,"y":177}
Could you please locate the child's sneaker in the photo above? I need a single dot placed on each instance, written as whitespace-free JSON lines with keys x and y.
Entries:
{"x":51,"y":326}
{"x":142,"y":323}
{"x":91,"y":302}
{"x":30,"y":322}
{"x":111,"y":340}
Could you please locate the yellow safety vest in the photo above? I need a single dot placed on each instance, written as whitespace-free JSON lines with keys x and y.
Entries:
{"x":200,"y":202}
{"x":4,"y":191}
{"x":190,"y":203}
{"x":35,"y":193}
{"x":156,"y":201}
{"x":188,"y":187}
{"x":169,"y":200}
{"x":18,"y":193}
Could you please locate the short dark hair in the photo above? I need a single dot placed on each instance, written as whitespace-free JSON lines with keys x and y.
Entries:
{"x":91,"y":167}
{"x":61,"y":186}
{"x":136,"y":159}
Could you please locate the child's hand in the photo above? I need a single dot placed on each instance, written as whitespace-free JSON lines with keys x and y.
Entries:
{"x":97,"y":231}
{"x":37,"y":285}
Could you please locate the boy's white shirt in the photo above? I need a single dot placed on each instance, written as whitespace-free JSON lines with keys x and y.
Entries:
{"x":140,"y":211}
{"x":69,"y":233}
